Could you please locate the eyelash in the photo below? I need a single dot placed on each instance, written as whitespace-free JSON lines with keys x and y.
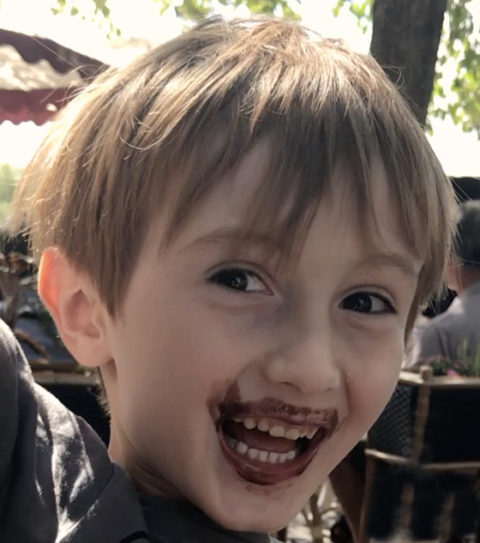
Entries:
{"x":389,"y":307}
{"x":228,"y":278}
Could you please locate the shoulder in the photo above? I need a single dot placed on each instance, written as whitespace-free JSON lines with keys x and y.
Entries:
{"x":435,"y":328}
{"x":12,"y":359}
{"x":65,"y":477}
{"x":445,"y":320}
{"x":429,"y":343}
{"x":15,"y":384}
{"x":445,"y":325}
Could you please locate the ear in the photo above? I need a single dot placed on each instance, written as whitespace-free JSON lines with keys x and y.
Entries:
{"x":76,"y":308}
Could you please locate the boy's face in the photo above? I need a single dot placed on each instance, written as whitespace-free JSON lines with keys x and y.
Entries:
{"x":239,"y":387}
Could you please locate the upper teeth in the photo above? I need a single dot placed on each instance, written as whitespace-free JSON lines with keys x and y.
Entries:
{"x":275,"y":429}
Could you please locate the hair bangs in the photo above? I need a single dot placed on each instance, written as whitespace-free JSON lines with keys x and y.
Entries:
{"x":160,"y":135}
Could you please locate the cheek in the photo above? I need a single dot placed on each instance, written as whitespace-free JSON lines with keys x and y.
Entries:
{"x":371,"y":381}
{"x":185,"y":349}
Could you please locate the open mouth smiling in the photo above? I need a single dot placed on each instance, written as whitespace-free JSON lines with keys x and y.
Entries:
{"x":269,"y":442}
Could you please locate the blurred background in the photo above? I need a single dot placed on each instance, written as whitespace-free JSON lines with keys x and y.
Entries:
{"x":434,"y":50}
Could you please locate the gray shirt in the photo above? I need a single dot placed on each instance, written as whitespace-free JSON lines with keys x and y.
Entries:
{"x":444,"y":334}
{"x":57,"y":484}
{"x":172,"y":521}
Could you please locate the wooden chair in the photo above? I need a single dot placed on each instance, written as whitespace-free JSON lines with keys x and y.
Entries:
{"x":430,"y":426}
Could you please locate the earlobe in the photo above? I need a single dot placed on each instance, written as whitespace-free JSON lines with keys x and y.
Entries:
{"x":76,"y":308}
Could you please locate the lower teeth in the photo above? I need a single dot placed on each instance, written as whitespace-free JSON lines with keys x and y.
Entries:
{"x":269,"y":457}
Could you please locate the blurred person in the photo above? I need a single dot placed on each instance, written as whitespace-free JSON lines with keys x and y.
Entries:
{"x":455,"y":334}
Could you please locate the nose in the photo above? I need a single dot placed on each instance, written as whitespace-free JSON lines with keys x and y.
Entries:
{"x":307,"y":361}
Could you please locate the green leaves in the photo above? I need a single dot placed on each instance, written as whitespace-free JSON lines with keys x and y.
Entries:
{"x":9,"y":176}
{"x":197,"y":9}
{"x":280,"y":7}
{"x":457,"y":90}
{"x":100,"y":7}
{"x":362,"y":9}
{"x":59,"y":7}
{"x":100,"y":13}
{"x":193,"y":9}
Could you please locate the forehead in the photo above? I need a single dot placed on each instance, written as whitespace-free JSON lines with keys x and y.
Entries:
{"x":226,"y":212}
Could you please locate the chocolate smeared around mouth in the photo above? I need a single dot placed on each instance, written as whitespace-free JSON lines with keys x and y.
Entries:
{"x":269,"y":441}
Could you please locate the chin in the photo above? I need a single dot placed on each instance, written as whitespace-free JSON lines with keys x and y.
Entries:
{"x":240,"y":505}
{"x":250,"y":517}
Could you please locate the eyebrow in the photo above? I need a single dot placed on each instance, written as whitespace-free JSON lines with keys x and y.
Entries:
{"x":233,"y":235}
{"x":393,"y":260}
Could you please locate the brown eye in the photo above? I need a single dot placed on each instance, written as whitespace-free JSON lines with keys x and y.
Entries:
{"x":239,"y":279}
{"x":367,"y":302}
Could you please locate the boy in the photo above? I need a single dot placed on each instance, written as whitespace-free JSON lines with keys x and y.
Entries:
{"x":237,"y":230}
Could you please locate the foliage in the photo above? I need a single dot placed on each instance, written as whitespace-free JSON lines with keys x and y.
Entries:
{"x":188,"y":9}
{"x":8,"y":179}
{"x":101,"y":12}
{"x":362,"y":9}
{"x":457,"y":97}
{"x":462,"y":43}
{"x":196,"y":9}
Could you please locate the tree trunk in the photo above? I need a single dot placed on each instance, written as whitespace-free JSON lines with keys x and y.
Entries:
{"x":406,"y":35}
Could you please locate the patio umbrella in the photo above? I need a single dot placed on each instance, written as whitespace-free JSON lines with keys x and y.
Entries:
{"x":38,"y":76}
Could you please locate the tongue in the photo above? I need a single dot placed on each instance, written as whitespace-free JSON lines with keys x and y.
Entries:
{"x":256,"y":439}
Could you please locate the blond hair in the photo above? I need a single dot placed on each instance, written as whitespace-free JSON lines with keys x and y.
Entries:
{"x":183,"y":115}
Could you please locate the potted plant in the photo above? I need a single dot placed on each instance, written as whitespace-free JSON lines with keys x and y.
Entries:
{"x":465,"y":364}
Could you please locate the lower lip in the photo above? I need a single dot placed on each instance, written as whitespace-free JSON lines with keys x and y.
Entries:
{"x":264,"y":474}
